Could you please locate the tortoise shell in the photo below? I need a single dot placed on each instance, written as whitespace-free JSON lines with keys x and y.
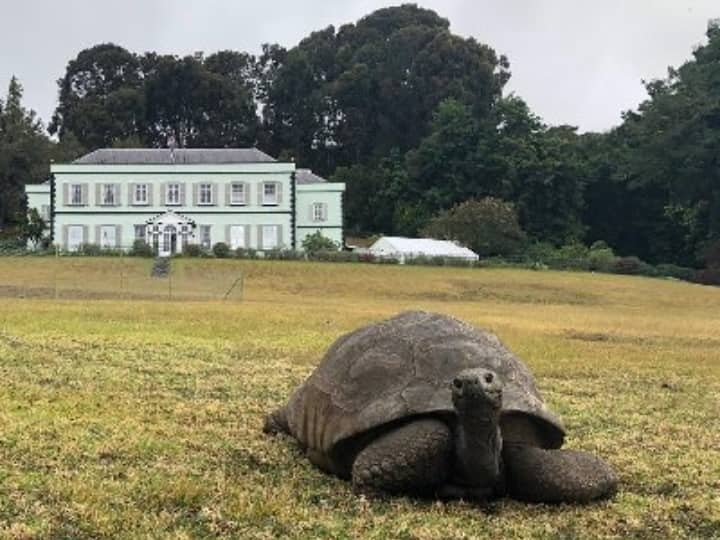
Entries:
{"x":402,"y":367}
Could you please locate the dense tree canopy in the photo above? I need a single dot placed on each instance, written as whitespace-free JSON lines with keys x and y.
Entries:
{"x":24,"y":152}
{"x":413,"y":118}
{"x":112,"y":97}
{"x":488,"y":226}
{"x":352,"y":95}
{"x":656,"y":178}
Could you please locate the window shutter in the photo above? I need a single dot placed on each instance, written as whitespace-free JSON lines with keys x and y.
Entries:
{"x":65,"y":234}
{"x":194,"y":194}
{"x":150,"y":188}
{"x":278,"y":228}
{"x":85,"y":234}
{"x":227,"y":235}
{"x":181,"y":194}
{"x":247,"y":236}
{"x":117,"y":194}
{"x":84,"y":195}
{"x":98,"y":194}
{"x":260,"y":193}
{"x":163,"y":193}
{"x":324,"y":211}
{"x":311,"y":215}
{"x":228,"y":194}
{"x":131,"y":193}
{"x":246,"y":193}
{"x":118,"y":237}
{"x":65,"y":190}
{"x":279,"y":192}
{"x":260,"y":237}
{"x":214,"y":191}
{"x":98,"y":235}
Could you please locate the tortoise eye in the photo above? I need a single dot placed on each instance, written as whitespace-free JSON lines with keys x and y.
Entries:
{"x":488,"y":378}
{"x":457,"y":383}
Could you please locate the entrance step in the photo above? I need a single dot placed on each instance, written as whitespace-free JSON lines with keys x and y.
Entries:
{"x":161,"y":267}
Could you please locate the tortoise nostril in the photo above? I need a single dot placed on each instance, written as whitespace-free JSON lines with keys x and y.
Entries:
{"x":457,"y":383}
{"x":488,"y":378}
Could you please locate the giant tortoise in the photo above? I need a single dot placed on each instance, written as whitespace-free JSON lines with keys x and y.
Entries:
{"x":425,"y":404}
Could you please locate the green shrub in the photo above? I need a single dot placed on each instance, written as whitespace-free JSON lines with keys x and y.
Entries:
{"x":283,"y":255}
{"x":91,"y":250}
{"x":420,"y":260}
{"x":192,"y":250}
{"x":675,"y":271}
{"x":141,"y":248}
{"x":221,"y":250}
{"x":541,"y":252}
{"x":246,"y":253}
{"x":317,"y":242}
{"x":628,"y":265}
{"x":573,"y":257}
{"x":601,"y":259}
{"x":488,"y":226}
{"x":599,"y":244}
{"x":459,"y":263}
{"x":334,"y":256}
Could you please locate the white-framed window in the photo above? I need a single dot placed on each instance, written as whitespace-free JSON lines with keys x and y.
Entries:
{"x":140,"y":231}
{"x":270,"y":235}
{"x":205,"y":194}
{"x":76,"y":237}
{"x":318,"y":212}
{"x":108,"y":194}
{"x":269,"y":193}
{"x":108,"y":236}
{"x":140,"y":194}
{"x":205,"y":236}
{"x":76,"y":194}
{"x":237,"y":236}
{"x":237,"y":193}
{"x":172,"y":194}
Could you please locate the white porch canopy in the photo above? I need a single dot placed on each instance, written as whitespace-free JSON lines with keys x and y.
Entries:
{"x":169,"y":232}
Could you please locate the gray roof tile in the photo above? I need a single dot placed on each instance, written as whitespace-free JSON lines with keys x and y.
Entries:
{"x":306,"y":176}
{"x":164,"y":156}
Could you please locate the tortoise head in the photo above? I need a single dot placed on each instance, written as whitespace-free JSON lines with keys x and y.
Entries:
{"x":477,"y":388}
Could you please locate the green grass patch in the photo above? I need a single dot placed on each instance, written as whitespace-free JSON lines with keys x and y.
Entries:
{"x":132,"y":418}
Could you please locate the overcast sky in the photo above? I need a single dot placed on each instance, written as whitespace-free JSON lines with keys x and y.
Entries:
{"x":578,"y":62}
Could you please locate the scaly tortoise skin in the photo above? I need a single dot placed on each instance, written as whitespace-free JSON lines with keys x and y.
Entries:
{"x":425,"y":404}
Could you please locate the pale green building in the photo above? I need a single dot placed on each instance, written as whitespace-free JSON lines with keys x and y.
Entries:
{"x":170,"y":198}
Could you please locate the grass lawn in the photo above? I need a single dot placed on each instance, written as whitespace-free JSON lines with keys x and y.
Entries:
{"x":140,"y":418}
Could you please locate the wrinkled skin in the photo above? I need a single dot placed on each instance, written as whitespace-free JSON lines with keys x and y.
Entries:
{"x":425,"y":404}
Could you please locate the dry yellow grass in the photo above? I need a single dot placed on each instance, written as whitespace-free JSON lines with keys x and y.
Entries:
{"x":131,"y":418}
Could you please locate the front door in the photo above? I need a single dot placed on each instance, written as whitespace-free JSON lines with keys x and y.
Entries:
{"x":169,"y":243}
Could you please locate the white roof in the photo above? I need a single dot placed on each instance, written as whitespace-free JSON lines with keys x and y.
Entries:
{"x":399,"y":245}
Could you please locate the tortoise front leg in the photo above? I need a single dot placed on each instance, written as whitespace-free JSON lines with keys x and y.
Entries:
{"x":413,"y":458}
{"x":556,"y":476}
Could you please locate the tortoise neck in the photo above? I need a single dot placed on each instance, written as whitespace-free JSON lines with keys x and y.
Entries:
{"x":478,"y":446}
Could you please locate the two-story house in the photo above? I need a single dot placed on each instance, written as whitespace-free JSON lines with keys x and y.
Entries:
{"x":170,"y":198}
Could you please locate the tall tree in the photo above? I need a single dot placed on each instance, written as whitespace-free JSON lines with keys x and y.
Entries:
{"x":656,"y":188}
{"x":198,"y":106}
{"x":352,"y":95}
{"x":101,"y":97}
{"x":24,"y":151}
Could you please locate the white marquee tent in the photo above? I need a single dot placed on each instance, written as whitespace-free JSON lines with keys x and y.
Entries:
{"x":407,"y":248}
